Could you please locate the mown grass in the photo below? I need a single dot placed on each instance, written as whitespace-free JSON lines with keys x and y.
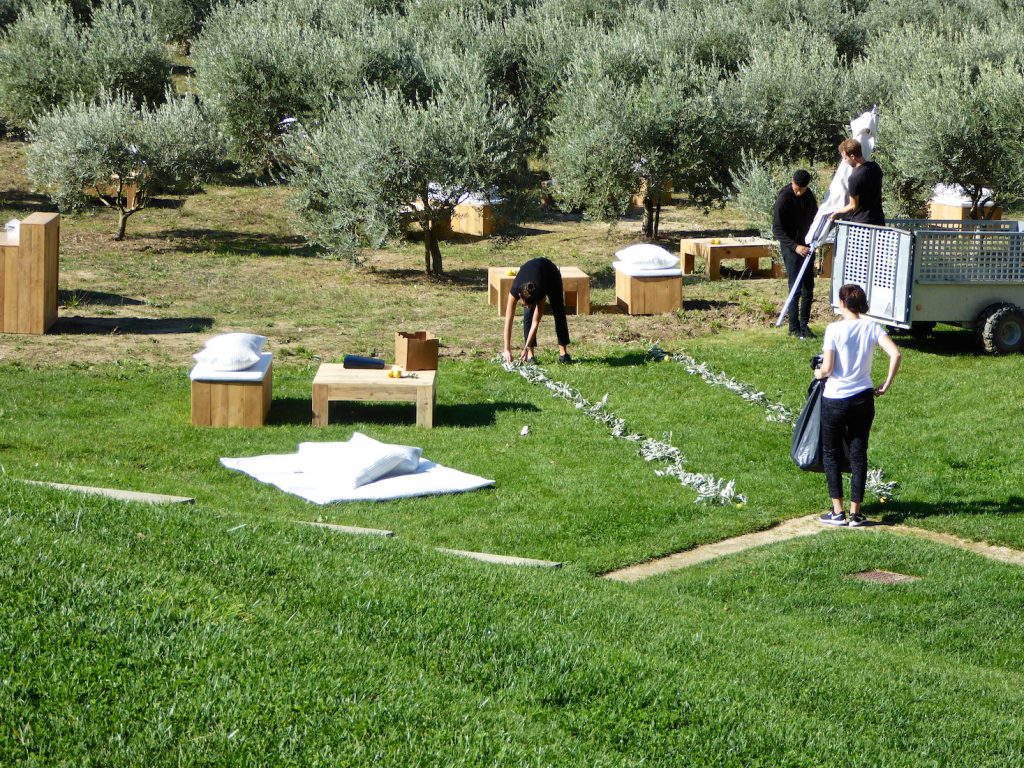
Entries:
{"x":227,"y":633}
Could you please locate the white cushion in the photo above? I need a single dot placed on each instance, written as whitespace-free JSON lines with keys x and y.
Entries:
{"x":361,"y":459}
{"x":636,"y":271}
{"x":647,"y":255}
{"x":234,"y":340}
{"x":256,"y":372}
{"x":227,"y":359}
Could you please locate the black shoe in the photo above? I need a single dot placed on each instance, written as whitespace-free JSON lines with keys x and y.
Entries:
{"x":565,"y":359}
{"x":807,"y":333}
{"x":856,"y":521}
{"x":833,"y":518}
{"x":797,"y":335}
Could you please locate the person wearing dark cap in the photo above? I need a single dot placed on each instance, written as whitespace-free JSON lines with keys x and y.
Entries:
{"x":537,"y":282}
{"x":792,"y":217}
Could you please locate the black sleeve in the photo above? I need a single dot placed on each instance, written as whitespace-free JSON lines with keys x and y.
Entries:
{"x":778,"y":230}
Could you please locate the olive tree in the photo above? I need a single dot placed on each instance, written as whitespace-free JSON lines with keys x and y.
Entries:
{"x":967,"y":131}
{"x":611,"y":138}
{"x":48,"y":58}
{"x":372,"y":164}
{"x":119,"y":154}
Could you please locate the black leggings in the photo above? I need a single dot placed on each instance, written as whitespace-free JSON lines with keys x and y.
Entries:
{"x":556,"y":301}
{"x":847,"y":418}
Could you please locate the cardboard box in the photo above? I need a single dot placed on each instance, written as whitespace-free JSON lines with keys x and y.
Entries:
{"x":416,"y":350}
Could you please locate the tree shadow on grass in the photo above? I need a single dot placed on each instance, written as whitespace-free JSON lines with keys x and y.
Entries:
{"x":298,"y":410}
{"x":74,"y":297}
{"x":897,"y":512}
{"x":144,"y":326}
{"x":19,"y":200}
{"x":221,"y":242}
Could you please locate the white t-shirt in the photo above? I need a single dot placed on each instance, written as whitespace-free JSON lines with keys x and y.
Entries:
{"x":853,"y":342}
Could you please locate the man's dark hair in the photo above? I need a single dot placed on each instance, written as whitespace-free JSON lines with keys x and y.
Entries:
{"x":801,"y":178}
{"x":528,"y":293}
{"x":853,"y":296}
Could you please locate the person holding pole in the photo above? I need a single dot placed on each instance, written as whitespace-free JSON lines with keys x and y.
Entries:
{"x":538,"y":282}
{"x":848,"y":399}
{"x":792,"y":216}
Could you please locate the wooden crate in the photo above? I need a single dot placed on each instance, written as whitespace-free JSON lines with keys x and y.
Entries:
{"x":637,"y":200}
{"x":479,"y":220}
{"x":29,"y":268}
{"x":233,"y":403}
{"x":575,"y":283}
{"x":648,"y":295}
{"x":946,"y":212}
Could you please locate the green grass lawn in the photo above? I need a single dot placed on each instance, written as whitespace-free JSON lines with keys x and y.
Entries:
{"x":226,"y":633}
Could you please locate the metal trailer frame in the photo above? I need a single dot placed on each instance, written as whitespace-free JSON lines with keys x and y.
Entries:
{"x":925,"y":272}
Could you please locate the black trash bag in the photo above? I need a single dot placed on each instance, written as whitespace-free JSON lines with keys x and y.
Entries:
{"x":806,"y":448}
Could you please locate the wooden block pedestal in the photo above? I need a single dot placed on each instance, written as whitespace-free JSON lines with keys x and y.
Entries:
{"x":648,"y":295}
{"x":29,"y":264}
{"x":233,"y":399}
{"x":575,"y":283}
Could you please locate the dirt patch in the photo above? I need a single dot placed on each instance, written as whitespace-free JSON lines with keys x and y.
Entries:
{"x":883,"y":577}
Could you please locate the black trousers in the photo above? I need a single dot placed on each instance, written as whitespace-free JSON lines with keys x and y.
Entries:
{"x":800,"y":309}
{"x":556,"y":303}
{"x":849,"y":418}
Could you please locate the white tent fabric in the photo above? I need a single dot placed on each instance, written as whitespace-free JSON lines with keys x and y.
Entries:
{"x":865,"y":130}
{"x":326,"y":475}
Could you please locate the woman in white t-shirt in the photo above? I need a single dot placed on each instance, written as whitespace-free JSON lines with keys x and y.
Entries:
{"x":848,"y":400}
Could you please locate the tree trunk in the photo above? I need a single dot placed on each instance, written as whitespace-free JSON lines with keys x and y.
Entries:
{"x":122,"y":222}
{"x":435,"y":253}
{"x":648,"y":225}
{"x":431,"y":250}
{"x":427,"y":236}
{"x":657,"y":217}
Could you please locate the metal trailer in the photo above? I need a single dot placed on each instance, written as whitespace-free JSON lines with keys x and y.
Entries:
{"x":917,"y":273}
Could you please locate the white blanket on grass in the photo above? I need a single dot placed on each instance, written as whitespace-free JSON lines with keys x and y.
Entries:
{"x":321,"y":480}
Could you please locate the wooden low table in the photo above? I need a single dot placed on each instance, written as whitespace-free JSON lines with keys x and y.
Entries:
{"x":750,"y":249}
{"x":575,"y":283}
{"x":335,"y":382}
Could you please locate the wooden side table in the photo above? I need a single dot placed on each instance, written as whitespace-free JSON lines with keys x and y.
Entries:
{"x":334,"y":382}
{"x":750,"y":249}
{"x":575,"y":283}
{"x":29,"y":267}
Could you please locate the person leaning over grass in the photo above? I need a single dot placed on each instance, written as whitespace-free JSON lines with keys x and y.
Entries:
{"x":848,"y":400}
{"x":537,"y":280}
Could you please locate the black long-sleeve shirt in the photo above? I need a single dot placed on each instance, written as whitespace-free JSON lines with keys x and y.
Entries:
{"x":792,"y":216}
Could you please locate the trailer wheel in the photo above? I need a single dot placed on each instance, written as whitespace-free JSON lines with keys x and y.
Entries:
{"x":1001,"y":329}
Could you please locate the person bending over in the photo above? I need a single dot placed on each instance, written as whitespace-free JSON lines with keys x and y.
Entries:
{"x":792,"y":216}
{"x":848,"y":400}
{"x":537,"y":282}
{"x":865,"y":186}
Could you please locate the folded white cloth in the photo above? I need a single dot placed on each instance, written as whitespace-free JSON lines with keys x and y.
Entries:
{"x":634,"y":271}
{"x":330,"y":472}
{"x":255,"y":373}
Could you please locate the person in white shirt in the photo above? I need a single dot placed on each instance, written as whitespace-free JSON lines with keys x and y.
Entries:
{"x":848,"y":400}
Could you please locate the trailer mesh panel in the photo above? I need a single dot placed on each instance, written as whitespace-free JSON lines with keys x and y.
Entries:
{"x":969,"y":257}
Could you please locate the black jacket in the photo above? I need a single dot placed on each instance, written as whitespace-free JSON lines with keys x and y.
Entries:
{"x":792,"y":216}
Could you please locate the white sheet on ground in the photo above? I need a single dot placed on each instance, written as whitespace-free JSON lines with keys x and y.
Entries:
{"x":318,"y":479}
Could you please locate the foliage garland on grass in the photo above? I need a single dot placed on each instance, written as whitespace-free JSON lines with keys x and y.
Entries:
{"x":875,"y":483}
{"x":708,"y":487}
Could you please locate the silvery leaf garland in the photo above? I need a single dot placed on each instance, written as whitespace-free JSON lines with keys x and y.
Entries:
{"x":875,"y":482}
{"x":708,"y":488}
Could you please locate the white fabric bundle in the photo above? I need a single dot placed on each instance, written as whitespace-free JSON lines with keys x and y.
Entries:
{"x":360,"y":469}
{"x":231,"y":352}
{"x":638,"y":271}
{"x":647,"y":256}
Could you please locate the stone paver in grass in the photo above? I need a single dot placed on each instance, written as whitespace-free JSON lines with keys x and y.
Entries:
{"x":351,"y":529}
{"x":883,"y":577}
{"x":790,"y":529}
{"x":115,"y":493}
{"x":487,"y":557}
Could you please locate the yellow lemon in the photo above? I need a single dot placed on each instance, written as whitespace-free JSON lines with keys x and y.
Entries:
{"x":715,"y":241}
{"x":511,"y":273}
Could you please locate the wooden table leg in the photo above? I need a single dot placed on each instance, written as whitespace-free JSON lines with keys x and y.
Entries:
{"x":714,"y":267}
{"x":425,"y":407}
{"x":687,"y":263}
{"x":320,"y":405}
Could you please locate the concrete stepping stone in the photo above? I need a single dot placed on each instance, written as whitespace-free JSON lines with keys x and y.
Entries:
{"x":487,"y":557}
{"x":115,"y":493}
{"x":351,"y":529}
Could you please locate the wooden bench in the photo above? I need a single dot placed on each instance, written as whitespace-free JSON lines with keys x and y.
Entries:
{"x":750,"y":249}
{"x":575,"y":283}
{"x":29,"y":266}
{"x":648,"y":294}
{"x":334,"y":382}
{"x":232,"y":398}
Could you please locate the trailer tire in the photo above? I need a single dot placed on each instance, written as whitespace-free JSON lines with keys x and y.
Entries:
{"x":1001,"y":329}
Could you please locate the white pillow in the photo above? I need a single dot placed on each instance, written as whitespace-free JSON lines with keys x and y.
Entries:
{"x":361,"y":458}
{"x":647,"y":255}
{"x":228,"y":359}
{"x":233,"y":340}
